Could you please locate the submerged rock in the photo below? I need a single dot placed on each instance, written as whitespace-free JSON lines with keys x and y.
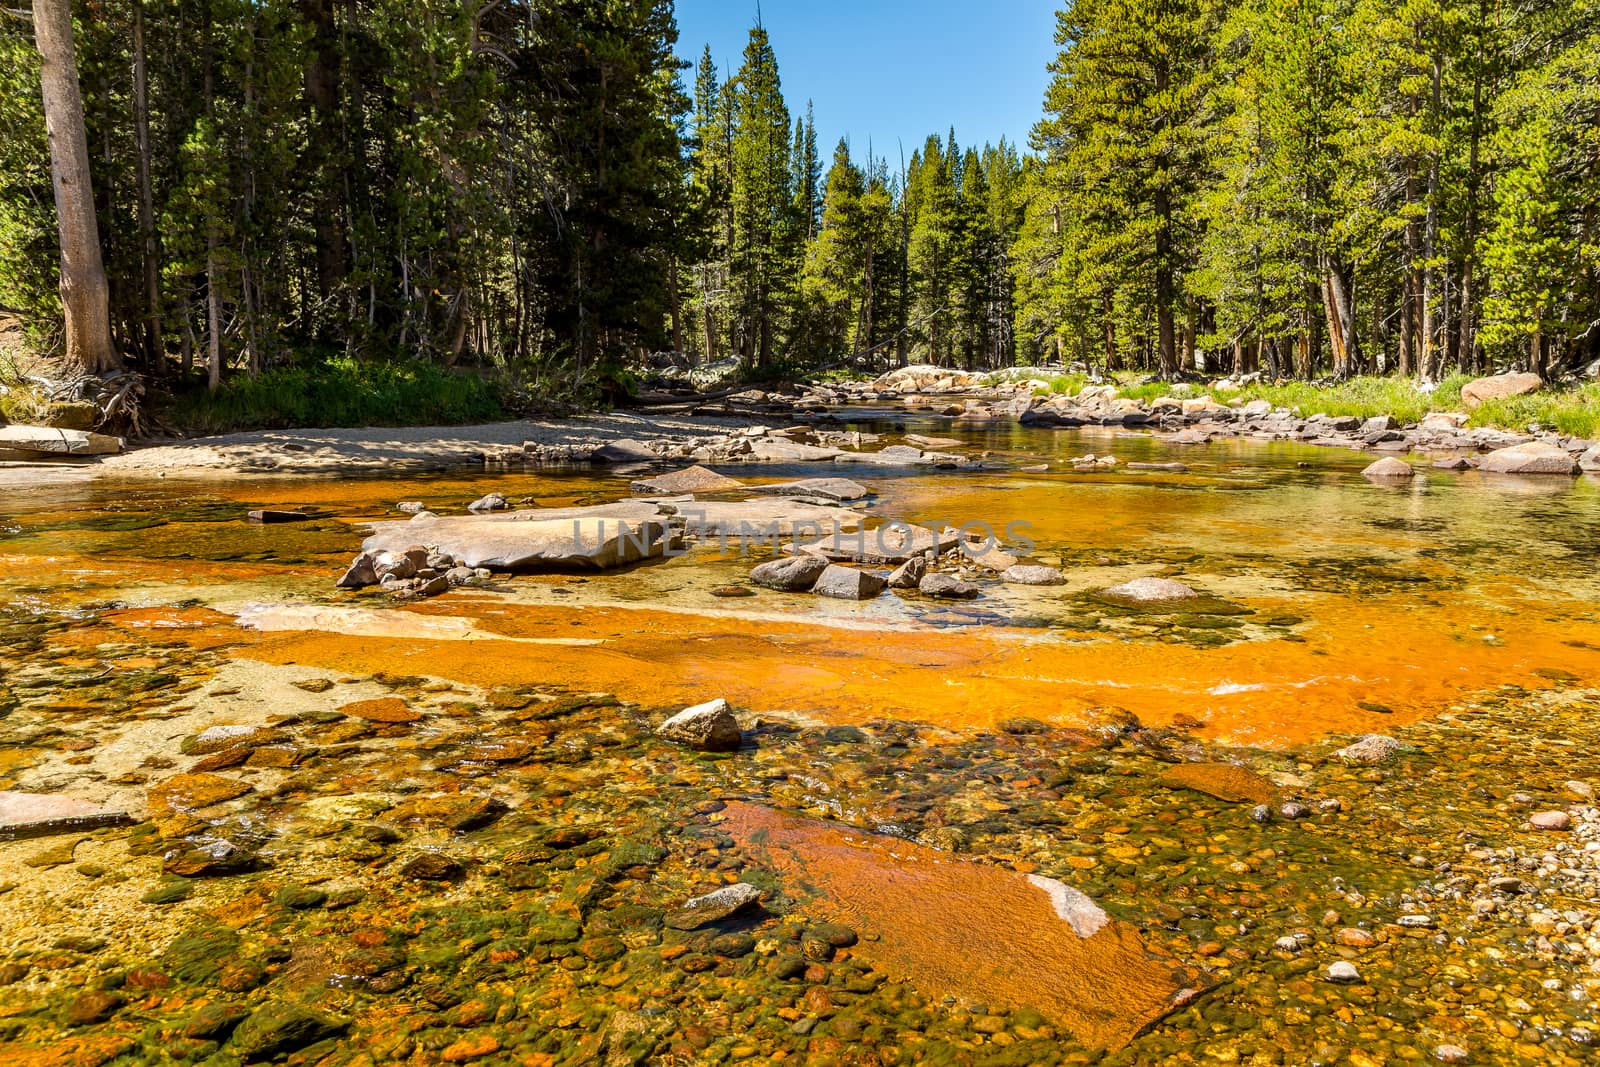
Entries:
{"x":709,"y":727}
{"x":1142,"y":591}
{"x":1370,"y":748}
{"x":1225,"y":781}
{"x":974,"y":931}
{"x":1550,"y":820}
{"x":714,"y":906}
{"x":1028,"y":574}
{"x":278,"y":1027}
{"x":24,"y":815}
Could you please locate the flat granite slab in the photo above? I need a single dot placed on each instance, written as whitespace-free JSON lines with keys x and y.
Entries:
{"x":979,"y":932}
{"x":25,"y":815}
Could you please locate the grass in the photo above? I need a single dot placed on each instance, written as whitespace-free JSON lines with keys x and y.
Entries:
{"x":342,"y":393}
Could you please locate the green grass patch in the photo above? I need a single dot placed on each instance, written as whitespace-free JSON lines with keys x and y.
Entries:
{"x":1574,"y":412}
{"x":343,"y":393}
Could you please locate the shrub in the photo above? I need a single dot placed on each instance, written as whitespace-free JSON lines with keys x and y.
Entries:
{"x":341,"y":392}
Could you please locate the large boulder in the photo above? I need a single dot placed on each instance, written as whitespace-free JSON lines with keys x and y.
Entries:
{"x":50,"y":440}
{"x":793,"y":574}
{"x":558,"y":539}
{"x":847,"y":583}
{"x":1499,"y":387}
{"x":1535,"y":457}
{"x":1590,"y":460}
{"x":822,"y":488}
{"x":709,"y":727}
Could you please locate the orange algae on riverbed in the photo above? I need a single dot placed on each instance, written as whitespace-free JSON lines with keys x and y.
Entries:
{"x":981,"y":933}
{"x":1412,"y":658}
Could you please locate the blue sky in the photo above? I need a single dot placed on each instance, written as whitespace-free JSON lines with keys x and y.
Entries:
{"x":892,"y":71}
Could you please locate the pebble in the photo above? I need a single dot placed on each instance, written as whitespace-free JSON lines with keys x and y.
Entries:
{"x":1343,"y":972}
{"x":1550,"y":820}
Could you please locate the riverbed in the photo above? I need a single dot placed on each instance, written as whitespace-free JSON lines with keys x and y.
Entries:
{"x":444,"y":831}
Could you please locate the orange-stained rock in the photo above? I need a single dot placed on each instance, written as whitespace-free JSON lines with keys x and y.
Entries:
{"x":1225,"y":781}
{"x":386,"y":709}
{"x":185,"y":792}
{"x":982,"y":933}
{"x":89,"y":1051}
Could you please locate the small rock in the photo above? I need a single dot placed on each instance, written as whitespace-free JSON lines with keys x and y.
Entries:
{"x":1292,"y":810}
{"x":909,"y":573}
{"x":492,"y":502}
{"x":433,"y":867}
{"x":1550,"y":820}
{"x":1355,"y":938}
{"x":1389,"y":469}
{"x":793,"y":574}
{"x":1370,"y":748}
{"x":1451,"y":1054}
{"x":268,"y":515}
{"x":1343,"y":972}
{"x":946,"y":587}
{"x":847,"y":583}
{"x":709,"y":727}
{"x":1417,"y":922}
{"x":695,"y":479}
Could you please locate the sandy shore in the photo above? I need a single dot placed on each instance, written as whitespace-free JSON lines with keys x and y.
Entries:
{"x":365,"y":451}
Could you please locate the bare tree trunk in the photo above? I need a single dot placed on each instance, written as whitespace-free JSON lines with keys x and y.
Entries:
{"x":153,"y":352}
{"x":85,"y":296}
{"x":213,"y":314}
{"x":672,"y":291}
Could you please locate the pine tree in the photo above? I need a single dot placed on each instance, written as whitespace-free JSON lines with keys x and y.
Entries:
{"x":1121,"y":121}
{"x":763,"y":255}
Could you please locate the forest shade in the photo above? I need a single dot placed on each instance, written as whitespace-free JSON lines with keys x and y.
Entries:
{"x":1316,"y":186}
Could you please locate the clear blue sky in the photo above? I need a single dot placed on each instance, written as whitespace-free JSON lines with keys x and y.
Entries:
{"x":892,"y":70}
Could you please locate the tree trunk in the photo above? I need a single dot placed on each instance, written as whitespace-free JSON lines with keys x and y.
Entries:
{"x":1340,"y":312}
{"x":1167,"y":350}
{"x":85,"y":296}
{"x":672,"y":293}
{"x":153,"y":350}
{"x":213,"y":314}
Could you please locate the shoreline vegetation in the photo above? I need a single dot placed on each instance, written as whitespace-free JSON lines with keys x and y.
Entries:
{"x":277,"y":195}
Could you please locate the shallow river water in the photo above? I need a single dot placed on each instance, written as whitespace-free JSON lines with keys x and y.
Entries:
{"x":1029,"y":828}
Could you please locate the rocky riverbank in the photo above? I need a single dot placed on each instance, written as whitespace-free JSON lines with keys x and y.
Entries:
{"x":339,"y":869}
